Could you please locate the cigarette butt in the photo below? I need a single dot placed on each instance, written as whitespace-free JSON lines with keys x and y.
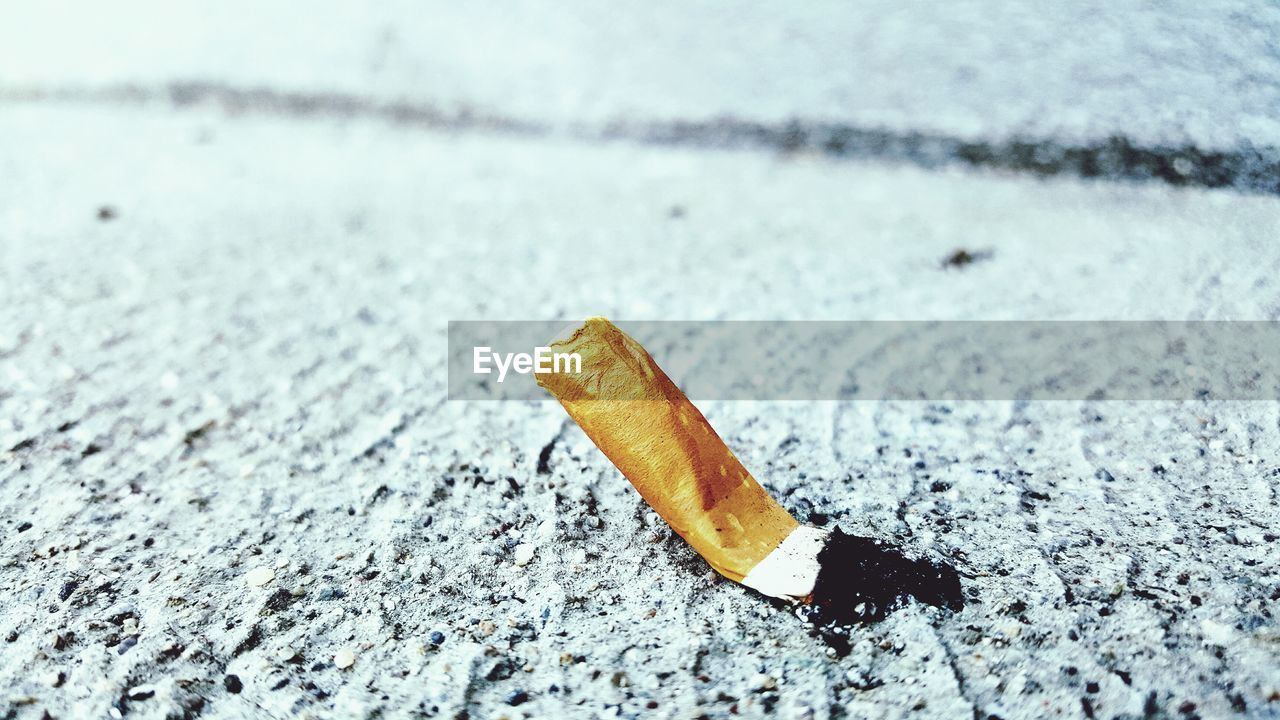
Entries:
{"x":648,"y":428}
{"x":666,"y":448}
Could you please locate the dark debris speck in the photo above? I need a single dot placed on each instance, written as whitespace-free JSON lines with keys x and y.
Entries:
{"x":963,"y":257}
{"x":67,"y":588}
{"x":330,"y":593}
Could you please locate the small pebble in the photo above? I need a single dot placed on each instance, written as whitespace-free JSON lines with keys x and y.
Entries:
{"x":517,"y":697}
{"x":437,"y":637}
{"x":761,"y":682}
{"x":258,"y":577}
{"x":232,"y":684}
{"x":523,"y":554}
{"x":344,"y":659}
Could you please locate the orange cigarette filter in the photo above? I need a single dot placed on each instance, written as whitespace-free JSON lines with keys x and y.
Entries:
{"x":644,"y":424}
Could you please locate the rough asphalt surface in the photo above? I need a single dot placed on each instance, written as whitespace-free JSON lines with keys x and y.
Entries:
{"x":231,"y":485}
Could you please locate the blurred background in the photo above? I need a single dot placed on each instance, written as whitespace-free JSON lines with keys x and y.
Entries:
{"x":1198,"y":74}
{"x":232,"y":234}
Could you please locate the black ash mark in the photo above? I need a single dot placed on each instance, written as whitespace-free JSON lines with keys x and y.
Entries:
{"x":862,"y":581}
{"x":1245,"y":167}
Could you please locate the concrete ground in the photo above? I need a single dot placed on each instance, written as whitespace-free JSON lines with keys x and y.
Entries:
{"x":232,"y":485}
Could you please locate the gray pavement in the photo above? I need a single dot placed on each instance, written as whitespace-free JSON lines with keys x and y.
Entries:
{"x":225,"y":448}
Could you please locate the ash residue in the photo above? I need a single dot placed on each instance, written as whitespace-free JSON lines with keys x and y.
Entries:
{"x":863,"y":580}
